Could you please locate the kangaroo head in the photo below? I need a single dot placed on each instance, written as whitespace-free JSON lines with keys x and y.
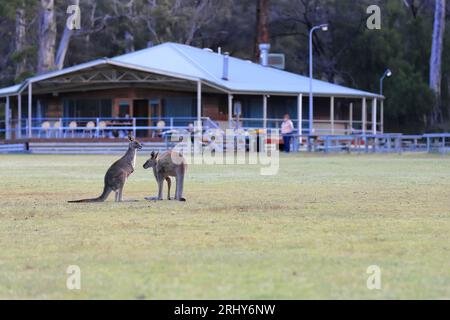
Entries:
{"x":134,"y":144}
{"x":150,"y":163}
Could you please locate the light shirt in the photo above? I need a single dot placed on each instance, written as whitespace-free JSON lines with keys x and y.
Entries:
{"x":287,"y":127}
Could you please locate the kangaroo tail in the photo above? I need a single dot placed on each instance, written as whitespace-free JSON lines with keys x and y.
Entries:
{"x":103,"y":197}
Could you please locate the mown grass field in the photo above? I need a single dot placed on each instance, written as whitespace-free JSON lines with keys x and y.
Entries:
{"x":309,"y":232}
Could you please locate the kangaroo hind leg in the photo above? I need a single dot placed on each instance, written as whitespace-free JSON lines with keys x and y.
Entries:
{"x":169,"y":184}
{"x":179,"y":192}
{"x":120,"y":192}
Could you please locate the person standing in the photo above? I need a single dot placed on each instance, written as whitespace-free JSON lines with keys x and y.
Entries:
{"x":287,"y":127}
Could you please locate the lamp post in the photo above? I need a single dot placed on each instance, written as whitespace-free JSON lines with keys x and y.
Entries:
{"x":387,"y":73}
{"x":323,"y":27}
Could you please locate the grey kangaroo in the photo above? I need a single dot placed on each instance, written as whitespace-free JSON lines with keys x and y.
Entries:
{"x":118,"y":173}
{"x":164,"y":167}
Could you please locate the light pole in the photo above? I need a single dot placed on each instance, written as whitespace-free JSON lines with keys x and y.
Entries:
{"x":323,"y":27}
{"x":387,"y":73}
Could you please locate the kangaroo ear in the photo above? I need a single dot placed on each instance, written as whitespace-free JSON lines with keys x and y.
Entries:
{"x":152,"y":155}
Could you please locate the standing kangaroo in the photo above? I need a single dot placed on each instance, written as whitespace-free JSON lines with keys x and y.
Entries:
{"x":164,"y":167}
{"x":118,"y":173}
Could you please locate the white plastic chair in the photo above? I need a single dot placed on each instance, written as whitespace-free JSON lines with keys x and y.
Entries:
{"x":72,"y":128}
{"x":89,"y":129}
{"x":57,"y":128}
{"x":160,"y":125}
{"x":101,"y":128}
{"x":45,"y":127}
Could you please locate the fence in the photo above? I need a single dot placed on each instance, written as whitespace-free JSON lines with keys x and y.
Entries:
{"x":62,"y":128}
{"x":437,"y":142}
{"x":379,"y":143}
{"x":321,"y":127}
{"x":343,"y":139}
{"x":118,"y":127}
{"x":369,"y":143}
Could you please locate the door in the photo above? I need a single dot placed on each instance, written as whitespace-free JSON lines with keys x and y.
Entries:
{"x":141,"y":109}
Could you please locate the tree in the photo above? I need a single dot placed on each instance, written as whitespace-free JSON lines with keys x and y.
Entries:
{"x":16,"y":52}
{"x":47,"y":36}
{"x":349,"y":54}
{"x":181,"y":21}
{"x":415,"y":6}
{"x":262,"y":27}
{"x":65,"y":42}
{"x":436,"y":60}
{"x":20,"y":41}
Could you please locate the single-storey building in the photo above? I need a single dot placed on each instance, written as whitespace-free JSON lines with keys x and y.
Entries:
{"x":174,"y":85}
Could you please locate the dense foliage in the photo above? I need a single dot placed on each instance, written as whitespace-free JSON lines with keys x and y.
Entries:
{"x":349,"y":54}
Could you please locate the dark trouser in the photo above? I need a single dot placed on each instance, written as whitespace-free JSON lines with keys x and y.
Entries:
{"x":287,"y":142}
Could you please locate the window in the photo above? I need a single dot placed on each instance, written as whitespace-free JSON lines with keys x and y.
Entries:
{"x":124,"y":109}
{"x":179,"y":107}
{"x":87,"y":108}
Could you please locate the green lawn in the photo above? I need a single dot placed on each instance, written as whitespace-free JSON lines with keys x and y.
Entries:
{"x":309,"y":232}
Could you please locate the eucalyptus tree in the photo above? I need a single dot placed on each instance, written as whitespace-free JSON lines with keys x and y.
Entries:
{"x":436,"y":59}
{"x":47,"y":36}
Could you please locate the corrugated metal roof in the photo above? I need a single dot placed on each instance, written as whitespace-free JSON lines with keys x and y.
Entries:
{"x":13,"y":90}
{"x":244,"y":76}
{"x":8,"y":91}
{"x":195,"y":64}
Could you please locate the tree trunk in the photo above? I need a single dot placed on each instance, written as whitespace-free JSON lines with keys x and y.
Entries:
{"x":20,"y":42}
{"x":64,"y":44}
{"x":62,"y":48}
{"x":262,"y":27}
{"x":436,"y":60}
{"x":47,"y":36}
{"x":129,"y":42}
